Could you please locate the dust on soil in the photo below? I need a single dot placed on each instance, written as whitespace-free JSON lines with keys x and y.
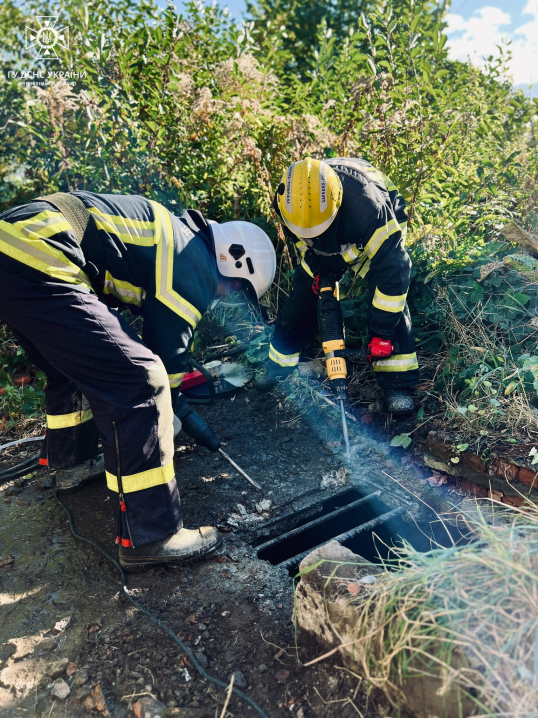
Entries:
{"x":233,"y":610}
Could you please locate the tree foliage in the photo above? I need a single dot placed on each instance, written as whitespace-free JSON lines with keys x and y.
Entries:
{"x":195,"y":110}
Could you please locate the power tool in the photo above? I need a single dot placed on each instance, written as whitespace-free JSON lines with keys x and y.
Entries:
{"x":331,"y":327}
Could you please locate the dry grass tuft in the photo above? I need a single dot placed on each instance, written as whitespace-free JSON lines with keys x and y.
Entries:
{"x":470,"y":612}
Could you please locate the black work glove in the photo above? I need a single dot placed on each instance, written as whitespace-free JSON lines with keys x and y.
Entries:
{"x":194,"y":425}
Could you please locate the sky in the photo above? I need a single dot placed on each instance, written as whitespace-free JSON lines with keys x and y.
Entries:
{"x":476,"y":27}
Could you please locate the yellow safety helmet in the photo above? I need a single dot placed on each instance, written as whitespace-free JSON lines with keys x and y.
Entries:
{"x":308,"y":197}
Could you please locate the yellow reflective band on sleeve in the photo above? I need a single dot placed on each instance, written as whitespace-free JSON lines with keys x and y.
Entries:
{"x":285,"y":360}
{"x":379,"y":236}
{"x":125,"y":291}
{"x":362,"y":269}
{"x":352,"y":254}
{"x":45,"y":224}
{"x":143,"y":480}
{"x":130,"y":231}
{"x":30,"y":248}
{"x":403,"y":227}
{"x":302,"y":247}
{"x":387,"y":303}
{"x":398,"y":362}
{"x":307,"y":269}
{"x":64,"y":421}
{"x":164,"y":266}
{"x":175,"y":380}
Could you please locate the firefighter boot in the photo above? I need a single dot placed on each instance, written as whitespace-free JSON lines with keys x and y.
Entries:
{"x":183,"y":546}
{"x":74,"y":478}
{"x":398,"y":401}
{"x":274,"y":374}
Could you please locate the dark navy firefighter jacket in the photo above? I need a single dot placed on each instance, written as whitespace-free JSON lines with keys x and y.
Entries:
{"x":158,"y":265}
{"x":366,"y":237}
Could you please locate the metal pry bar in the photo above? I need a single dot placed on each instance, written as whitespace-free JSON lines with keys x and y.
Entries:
{"x":368,"y":526}
{"x":238,"y":468}
{"x":344,"y":428}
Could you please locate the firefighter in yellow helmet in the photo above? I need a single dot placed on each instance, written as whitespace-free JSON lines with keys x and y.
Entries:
{"x":344,"y":214}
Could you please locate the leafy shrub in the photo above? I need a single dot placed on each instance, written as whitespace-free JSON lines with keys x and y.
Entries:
{"x":195,"y":110}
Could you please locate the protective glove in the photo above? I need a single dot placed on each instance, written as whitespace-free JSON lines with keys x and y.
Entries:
{"x":379,"y":349}
{"x":177,"y":426}
{"x":193,"y":425}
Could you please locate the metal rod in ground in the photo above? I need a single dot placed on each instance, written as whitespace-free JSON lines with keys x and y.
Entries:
{"x":344,"y":428}
{"x":345,"y":536}
{"x":316,"y":522}
{"x":309,"y":509}
{"x":238,"y":468}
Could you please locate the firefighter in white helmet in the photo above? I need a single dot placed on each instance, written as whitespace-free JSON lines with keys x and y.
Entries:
{"x":345,"y":215}
{"x":65,"y":261}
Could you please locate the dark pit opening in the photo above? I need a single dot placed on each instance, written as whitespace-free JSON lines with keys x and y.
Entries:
{"x":294,"y":519}
{"x":377,"y":545}
{"x":350,"y":510}
{"x":373,"y":528}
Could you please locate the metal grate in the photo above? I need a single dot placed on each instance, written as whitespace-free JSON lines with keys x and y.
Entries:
{"x":339,"y":518}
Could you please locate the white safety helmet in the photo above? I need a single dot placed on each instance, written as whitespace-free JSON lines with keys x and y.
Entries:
{"x":245,"y":252}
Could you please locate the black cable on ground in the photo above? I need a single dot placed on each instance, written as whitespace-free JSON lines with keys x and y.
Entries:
{"x":19,"y":469}
{"x":153,"y":618}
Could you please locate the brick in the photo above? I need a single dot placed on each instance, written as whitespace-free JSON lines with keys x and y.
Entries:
{"x":505,"y":470}
{"x":469,"y":487}
{"x":440,"y":444}
{"x":528,"y":477}
{"x":495,"y":495}
{"x":513,"y":500}
{"x":473,"y":462}
{"x":465,"y":485}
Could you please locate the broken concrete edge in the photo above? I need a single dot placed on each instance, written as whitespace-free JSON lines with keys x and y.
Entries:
{"x":503,"y":477}
{"x":330,"y":616}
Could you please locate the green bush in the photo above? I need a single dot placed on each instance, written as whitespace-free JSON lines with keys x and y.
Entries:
{"x":196,"y":110}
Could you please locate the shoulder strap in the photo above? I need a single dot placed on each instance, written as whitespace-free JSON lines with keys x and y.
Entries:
{"x":85,"y":230}
{"x":73,"y":210}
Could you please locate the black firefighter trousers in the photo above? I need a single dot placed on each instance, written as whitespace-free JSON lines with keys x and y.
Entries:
{"x":101,"y":379}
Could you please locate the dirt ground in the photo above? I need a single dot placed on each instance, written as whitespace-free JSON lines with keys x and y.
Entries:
{"x":233,"y":610}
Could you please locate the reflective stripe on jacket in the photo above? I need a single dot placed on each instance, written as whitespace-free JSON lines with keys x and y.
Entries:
{"x":368,"y":238}
{"x":156,"y":264}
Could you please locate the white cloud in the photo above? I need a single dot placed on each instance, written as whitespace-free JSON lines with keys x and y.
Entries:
{"x":479,"y":36}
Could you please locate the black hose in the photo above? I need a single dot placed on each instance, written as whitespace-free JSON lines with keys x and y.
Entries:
{"x":153,"y":618}
{"x":21,"y":465}
{"x":19,"y":469}
{"x":211,"y":398}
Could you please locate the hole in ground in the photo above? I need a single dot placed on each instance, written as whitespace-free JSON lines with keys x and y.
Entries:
{"x":274,"y":528}
{"x":377,"y":545}
{"x":353,"y":509}
{"x":349,"y":513}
